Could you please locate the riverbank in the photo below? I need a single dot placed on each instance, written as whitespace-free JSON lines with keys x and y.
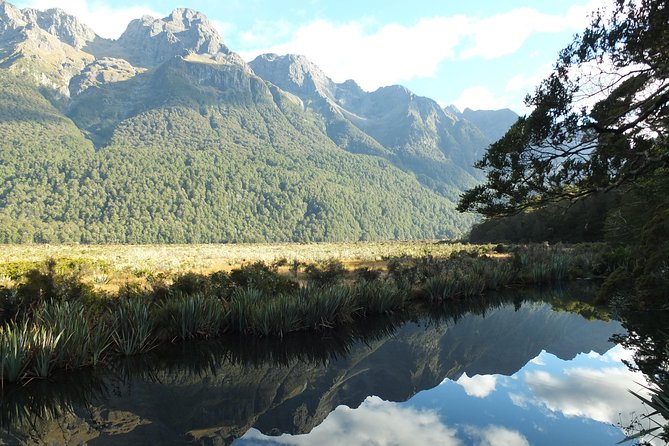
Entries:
{"x":56,"y":317}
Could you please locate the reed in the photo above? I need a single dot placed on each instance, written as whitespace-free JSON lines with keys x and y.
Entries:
{"x":68,"y":319}
{"x":326,"y":307}
{"x":191,"y":316}
{"x":133,"y":327}
{"x":85,"y":338}
{"x":379,"y":297}
{"x":99,"y":342}
{"x":439,"y":288}
{"x":275,"y":316}
{"x":495,"y":274}
{"x":240,"y":308}
{"x":43,"y":345}
{"x":14,"y":351}
{"x":255,"y":299}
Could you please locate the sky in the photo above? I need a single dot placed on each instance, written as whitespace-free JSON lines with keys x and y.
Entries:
{"x":481,"y":54}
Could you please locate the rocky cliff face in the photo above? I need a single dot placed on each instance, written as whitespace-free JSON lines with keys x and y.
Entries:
{"x":55,"y":47}
{"x":58,"y":23}
{"x":44,"y":45}
{"x":149,"y":42}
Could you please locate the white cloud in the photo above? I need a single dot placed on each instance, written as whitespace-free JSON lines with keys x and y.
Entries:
{"x":377,"y":56}
{"x":479,"y":386}
{"x":392,"y":54}
{"x":223,"y":28}
{"x":106,"y":21}
{"x":481,"y":98}
{"x":375,"y":422}
{"x":506,"y":33}
{"x":496,"y":436}
{"x":598,"y":394}
{"x":519,"y":400}
{"x":528,"y":81}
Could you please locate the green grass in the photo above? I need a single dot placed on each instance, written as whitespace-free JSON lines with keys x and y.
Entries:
{"x":53,"y":320}
{"x":133,"y":326}
{"x":191,"y":316}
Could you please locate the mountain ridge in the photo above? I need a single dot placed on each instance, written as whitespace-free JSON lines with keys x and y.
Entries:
{"x":386,"y":164}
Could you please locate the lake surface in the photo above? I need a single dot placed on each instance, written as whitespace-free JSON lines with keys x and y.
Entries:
{"x":514,"y":370}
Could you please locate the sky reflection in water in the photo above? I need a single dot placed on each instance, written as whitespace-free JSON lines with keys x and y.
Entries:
{"x":510,"y":371}
{"x":550,"y":401}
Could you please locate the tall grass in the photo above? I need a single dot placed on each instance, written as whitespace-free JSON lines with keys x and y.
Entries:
{"x":74,"y":328}
{"x":133,"y":327}
{"x":379,"y":297}
{"x":241,"y":307}
{"x":275,"y":316}
{"x":192,"y":316}
{"x":14,"y":350}
{"x":44,"y":345}
{"x":326,"y":307}
{"x":82,"y":343}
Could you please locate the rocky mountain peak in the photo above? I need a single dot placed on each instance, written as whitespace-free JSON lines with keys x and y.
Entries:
{"x":293,"y":73}
{"x":150,"y":41}
{"x":56,"y":22}
{"x":11,"y":17}
{"x":62,"y":25}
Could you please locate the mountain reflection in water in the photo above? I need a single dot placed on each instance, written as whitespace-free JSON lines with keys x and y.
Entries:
{"x":500,"y":371}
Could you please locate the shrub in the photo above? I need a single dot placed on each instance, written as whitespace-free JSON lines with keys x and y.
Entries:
{"x":366,"y":274}
{"x":327,"y":274}
{"x":261,"y":277}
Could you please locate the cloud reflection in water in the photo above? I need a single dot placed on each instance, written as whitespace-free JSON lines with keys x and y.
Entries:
{"x":375,"y":422}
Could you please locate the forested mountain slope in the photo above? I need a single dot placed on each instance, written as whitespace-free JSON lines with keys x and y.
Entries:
{"x":165,"y":135}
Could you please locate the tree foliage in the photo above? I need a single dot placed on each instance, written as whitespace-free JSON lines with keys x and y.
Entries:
{"x":599,"y":121}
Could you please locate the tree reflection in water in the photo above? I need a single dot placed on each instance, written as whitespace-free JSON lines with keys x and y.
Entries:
{"x":648,"y":337}
{"x":214,"y":392}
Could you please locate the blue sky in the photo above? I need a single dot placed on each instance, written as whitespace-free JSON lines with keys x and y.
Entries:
{"x":481,"y":54}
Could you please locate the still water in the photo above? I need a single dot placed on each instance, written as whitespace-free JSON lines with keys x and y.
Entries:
{"x":516,"y":370}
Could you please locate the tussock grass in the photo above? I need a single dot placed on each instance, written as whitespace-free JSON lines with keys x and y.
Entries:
{"x":15,"y":346}
{"x":54,"y":318}
{"x":133,"y":327}
{"x":379,"y":297}
{"x":191,"y":316}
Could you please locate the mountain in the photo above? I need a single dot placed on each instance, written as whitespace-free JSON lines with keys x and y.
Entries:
{"x":414,"y":133}
{"x":165,"y":135}
{"x":493,"y":123}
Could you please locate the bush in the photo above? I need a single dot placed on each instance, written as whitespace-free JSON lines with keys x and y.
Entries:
{"x":327,"y":274}
{"x":366,"y":274}
{"x":263,"y":278}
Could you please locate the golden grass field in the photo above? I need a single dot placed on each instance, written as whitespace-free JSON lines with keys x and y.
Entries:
{"x":110,"y":266}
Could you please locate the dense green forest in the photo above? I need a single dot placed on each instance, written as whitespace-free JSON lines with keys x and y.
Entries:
{"x":250,"y":167}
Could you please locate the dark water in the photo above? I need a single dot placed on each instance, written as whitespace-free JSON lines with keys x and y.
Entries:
{"x":515,"y":370}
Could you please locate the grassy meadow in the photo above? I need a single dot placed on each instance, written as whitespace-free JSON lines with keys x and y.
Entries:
{"x":66,"y":307}
{"x":109,"y":267}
